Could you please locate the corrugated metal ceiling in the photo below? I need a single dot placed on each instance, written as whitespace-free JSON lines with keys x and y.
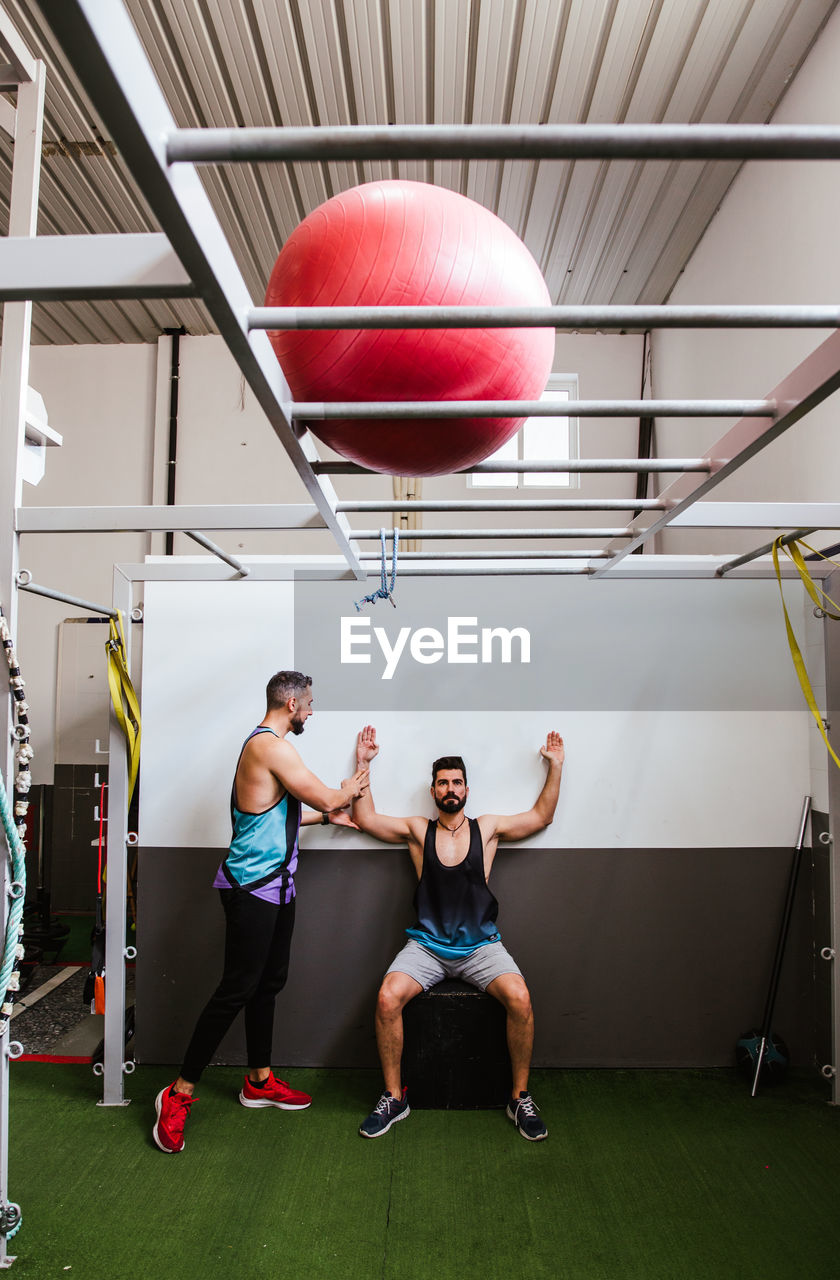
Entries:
{"x":612,"y":231}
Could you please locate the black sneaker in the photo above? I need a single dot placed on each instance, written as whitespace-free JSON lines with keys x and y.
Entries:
{"x":525,"y":1114}
{"x":387,"y":1111}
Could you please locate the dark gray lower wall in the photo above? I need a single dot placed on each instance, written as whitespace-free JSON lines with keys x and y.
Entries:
{"x":634,"y":957}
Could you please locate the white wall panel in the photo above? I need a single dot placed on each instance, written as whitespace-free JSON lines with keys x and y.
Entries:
{"x":635,"y":777}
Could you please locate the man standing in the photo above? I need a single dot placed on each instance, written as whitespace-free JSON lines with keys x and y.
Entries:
{"x":257,"y":889}
{"x":456,"y":935}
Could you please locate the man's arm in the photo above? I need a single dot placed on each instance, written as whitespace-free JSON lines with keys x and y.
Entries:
{"x":287,"y":766}
{"x":391,"y":830}
{"x":335,"y":817}
{"x":519,"y":825}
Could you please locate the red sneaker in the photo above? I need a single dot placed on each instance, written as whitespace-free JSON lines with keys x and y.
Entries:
{"x":274,"y":1093}
{"x":172,"y":1111}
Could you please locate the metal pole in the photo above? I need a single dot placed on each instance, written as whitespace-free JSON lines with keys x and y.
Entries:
{"x":507,"y":142}
{"x":26,"y":584}
{"x":480,"y":570}
{"x":240,"y":568}
{"x":523,"y":504}
{"x":366,"y":535}
{"x":574,"y":465}
{"x":489,"y":555}
{"x":14,"y":380}
{"x":723,"y":569}
{"x":784,"y":928}
{"x":115,"y":899}
{"x":326,"y":410}
{"x":664,"y":316}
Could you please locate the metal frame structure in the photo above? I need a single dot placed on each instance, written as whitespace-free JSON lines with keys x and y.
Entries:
{"x":25,"y":124}
{"x":191,"y":257}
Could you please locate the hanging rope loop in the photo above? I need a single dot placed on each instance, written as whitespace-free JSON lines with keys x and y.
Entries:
{"x":384,"y":591}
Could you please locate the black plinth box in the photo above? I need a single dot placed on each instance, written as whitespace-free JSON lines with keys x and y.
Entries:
{"x":455,"y":1054}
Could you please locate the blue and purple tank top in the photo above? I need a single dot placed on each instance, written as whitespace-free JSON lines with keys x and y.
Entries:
{"x":263,"y":850}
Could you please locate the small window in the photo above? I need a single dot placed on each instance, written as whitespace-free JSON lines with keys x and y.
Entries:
{"x":545,"y":439}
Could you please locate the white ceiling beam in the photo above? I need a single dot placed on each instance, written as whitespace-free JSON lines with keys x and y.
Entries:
{"x":14,"y":52}
{"x":157,"y":519}
{"x":759,"y":515}
{"x":61,"y":268}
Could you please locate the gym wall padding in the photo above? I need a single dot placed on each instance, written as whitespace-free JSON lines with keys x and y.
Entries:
{"x":644,"y":918}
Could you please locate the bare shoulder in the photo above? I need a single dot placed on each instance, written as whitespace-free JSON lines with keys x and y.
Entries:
{"x":417,"y":828}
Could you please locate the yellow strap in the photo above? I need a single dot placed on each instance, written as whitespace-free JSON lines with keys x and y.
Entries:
{"x":795,"y":651}
{"x":124,"y":699}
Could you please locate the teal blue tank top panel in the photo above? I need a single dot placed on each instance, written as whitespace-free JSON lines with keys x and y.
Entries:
{"x":263,"y":850}
{"x":456,"y":912}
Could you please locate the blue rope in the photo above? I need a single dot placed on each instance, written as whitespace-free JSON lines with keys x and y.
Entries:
{"x":384,"y":592}
{"x":13,"y":929}
{"x":13,"y":942}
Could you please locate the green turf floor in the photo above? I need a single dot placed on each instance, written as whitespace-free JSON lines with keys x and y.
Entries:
{"x":645,"y":1175}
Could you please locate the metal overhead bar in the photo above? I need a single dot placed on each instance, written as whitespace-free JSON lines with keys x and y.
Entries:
{"x":482,"y":570}
{"x":489,"y":555}
{"x":540,"y":464}
{"x":659,"y":316}
{"x":503,"y":142}
{"x":522,"y":504}
{"x":67,"y":268}
{"x":106,"y":54}
{"x":426,"y":535}
{"x":241,"y":569}
{"x":806,"y":386}
{"x":322,"y":410}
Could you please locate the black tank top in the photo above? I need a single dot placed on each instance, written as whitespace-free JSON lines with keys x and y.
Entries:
{"x":456,"y":912}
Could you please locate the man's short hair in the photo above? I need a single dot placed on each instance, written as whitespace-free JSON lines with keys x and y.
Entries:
{"x":448,"y":762}
{"x":284,"y":685}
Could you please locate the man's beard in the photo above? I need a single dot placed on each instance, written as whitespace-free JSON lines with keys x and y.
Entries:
{"x":297,"y":726}
{"x":451,"y":804}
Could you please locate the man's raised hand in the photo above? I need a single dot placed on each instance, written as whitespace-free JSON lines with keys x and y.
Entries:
{"x":553,"y":751}
{"x":367,"y":748}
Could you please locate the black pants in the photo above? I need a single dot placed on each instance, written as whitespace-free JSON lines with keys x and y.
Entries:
{"x":258,"y":939}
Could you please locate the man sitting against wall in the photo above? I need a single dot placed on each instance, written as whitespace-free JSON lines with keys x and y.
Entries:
{"x":455,"y":935}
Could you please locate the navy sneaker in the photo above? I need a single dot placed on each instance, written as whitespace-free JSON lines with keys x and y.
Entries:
{"x":525,"y":1114}
{"x":387,"y":1111}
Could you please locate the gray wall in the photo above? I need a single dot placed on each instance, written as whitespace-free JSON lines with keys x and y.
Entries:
{"x":634,"y":957}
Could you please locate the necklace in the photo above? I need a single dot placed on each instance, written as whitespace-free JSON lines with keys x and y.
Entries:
{"x":452,"y":830}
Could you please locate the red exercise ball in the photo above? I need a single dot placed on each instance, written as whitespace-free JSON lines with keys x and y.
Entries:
{"x":410,"y":244}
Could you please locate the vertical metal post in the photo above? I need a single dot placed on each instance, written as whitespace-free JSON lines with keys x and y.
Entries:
{"x":117,"y":881}
{"x":14,"y":380}
{"x":830,"y":954}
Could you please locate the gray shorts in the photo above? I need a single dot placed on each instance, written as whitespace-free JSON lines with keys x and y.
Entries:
{"x":480,"y":967}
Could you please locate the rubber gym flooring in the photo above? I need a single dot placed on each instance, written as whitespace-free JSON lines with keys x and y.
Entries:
{"x":645,"y":1176}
